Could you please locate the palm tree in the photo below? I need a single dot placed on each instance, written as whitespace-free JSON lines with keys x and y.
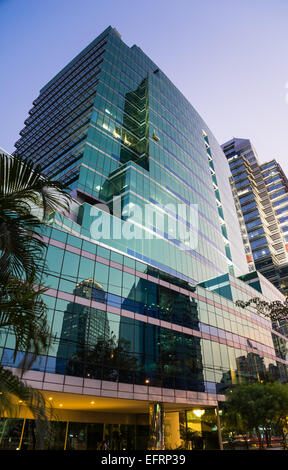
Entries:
{"x":26,"y":200}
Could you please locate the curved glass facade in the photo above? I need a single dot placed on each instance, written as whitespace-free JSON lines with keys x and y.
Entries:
{"x":141,"y":294}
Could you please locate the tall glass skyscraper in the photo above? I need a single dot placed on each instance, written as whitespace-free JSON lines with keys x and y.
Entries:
{"x":145,"y":270}
{"x":112,"y":124}
{"x":261,"y":199}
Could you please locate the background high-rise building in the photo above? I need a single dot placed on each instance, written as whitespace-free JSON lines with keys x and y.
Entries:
{"x":261,"y":198}
{"x":142,"y":325}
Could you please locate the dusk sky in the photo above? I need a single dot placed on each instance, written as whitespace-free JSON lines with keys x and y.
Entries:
{"x":229,"y":58}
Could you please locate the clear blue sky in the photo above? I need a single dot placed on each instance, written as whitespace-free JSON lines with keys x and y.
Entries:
{"x":228,"y":57}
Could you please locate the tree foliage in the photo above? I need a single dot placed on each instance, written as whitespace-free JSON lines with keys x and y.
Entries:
{"x":257,"y":408}
{"x":275,"y":310}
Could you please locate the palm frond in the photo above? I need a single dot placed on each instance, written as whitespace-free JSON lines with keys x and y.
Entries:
{"x":14,"y":390}
{"x":22,"y":252}
{"x":24,"y":312}
{"x":23,"y":193}
{"x":22,"y":180}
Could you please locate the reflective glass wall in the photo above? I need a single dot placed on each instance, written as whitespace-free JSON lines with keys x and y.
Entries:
{"x":118,"y":319}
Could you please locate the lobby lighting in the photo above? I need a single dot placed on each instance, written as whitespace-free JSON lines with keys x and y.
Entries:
{"x":199,"y":413}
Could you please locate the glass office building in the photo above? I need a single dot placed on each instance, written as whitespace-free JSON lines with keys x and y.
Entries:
{"x":144,"y":271}
{"x":261,"y":199}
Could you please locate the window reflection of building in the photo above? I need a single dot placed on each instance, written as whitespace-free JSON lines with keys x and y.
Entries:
{"x":251,"y":368}
{"x":166,"y":358}
{"x":82,"y":325}
{"x":135,"y":131}
{"x":251,"y":365}
{"x":133,"y":136}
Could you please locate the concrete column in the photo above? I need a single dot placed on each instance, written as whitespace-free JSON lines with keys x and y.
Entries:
{"x":156,"y":423}
{"x":172,"y":430}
